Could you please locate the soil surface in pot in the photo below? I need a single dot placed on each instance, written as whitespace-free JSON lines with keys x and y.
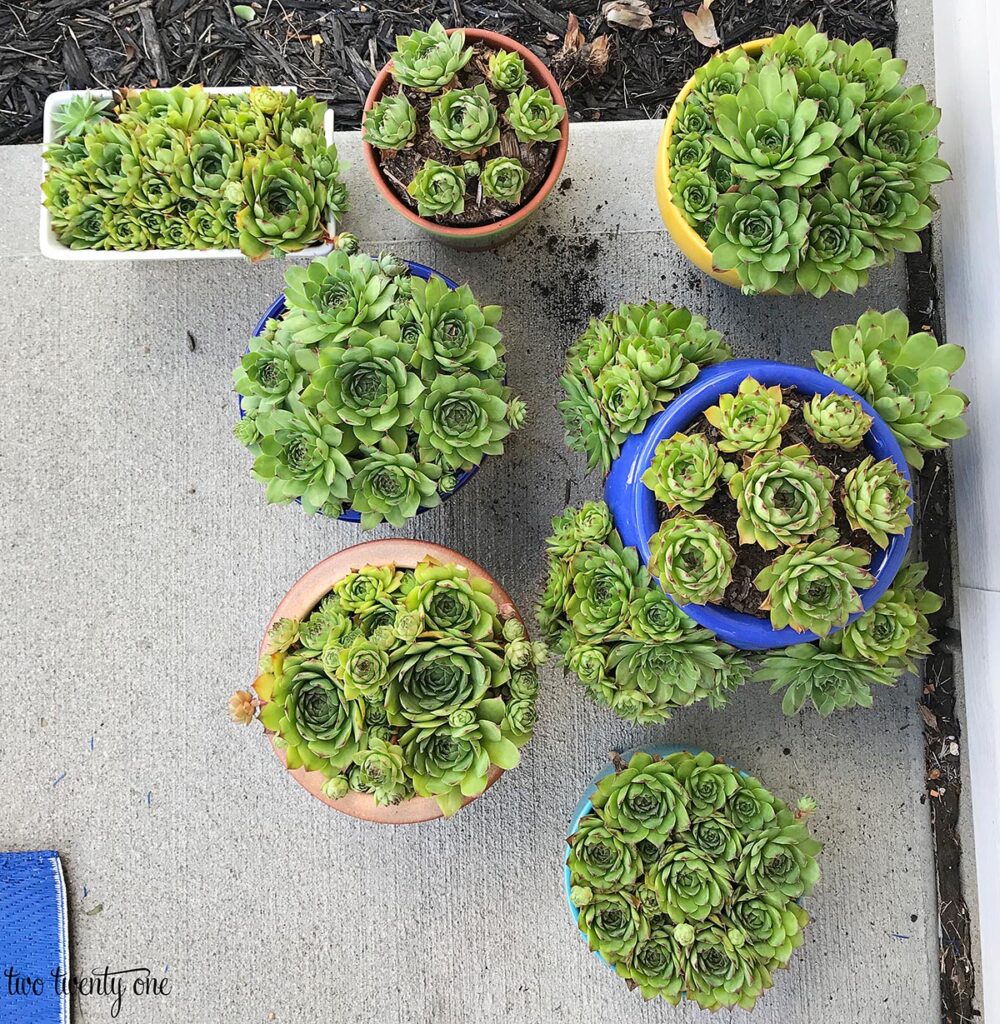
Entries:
{"x":399,"y":167}
{"x":741,"y":595}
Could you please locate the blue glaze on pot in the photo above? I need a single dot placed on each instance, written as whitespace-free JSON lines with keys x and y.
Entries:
{"x":277,"y":308}
{"x":634,"y":507}
{"x":584,"y":807}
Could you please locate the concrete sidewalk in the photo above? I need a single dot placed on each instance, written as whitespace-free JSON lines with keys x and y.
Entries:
{"x":141,"y":563}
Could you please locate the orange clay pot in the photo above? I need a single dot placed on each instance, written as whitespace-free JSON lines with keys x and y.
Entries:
{"x":299,"y":602}
{"x":486,"y":236}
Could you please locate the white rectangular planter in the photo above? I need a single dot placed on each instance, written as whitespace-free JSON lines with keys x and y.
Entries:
{"x":54,"y":249}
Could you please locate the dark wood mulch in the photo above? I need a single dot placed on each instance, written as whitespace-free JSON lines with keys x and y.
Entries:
{"x":328,"y":49}
{"x":401,"y":166}
{"x":741,"y":595}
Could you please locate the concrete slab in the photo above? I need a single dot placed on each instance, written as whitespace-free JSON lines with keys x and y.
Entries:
{"x":141,"y":564}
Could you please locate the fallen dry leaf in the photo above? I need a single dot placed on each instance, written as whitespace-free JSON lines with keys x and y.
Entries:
{"x":578,"y":59}
{"x":930,"y":719}
{"x":702,"y":25}
{"x":629,"y":14}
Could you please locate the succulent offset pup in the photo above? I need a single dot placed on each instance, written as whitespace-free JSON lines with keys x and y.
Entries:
{"x":476,"y":132}
{"x":688,"y":877}
{"x":182,"y":169}
{"x":806,"y":166}
{"x":401,"y":682}
{"x":374,"y":390}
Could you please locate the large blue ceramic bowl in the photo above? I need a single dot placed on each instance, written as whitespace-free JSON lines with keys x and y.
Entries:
{"x":278,"y":307}
{"x":634,"y":506}
{"x":584,"y":807}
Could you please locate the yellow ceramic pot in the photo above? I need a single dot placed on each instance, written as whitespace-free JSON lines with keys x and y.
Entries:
{"x":688,"y":240}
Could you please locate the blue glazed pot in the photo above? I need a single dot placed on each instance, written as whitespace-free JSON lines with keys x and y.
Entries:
{"x":278,"y":307}
{"x":634,"y":507}
{"x":584,"y":807}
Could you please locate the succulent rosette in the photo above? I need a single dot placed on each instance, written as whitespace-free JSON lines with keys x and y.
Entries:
{"x":836,"y":419}
{"x":184,"y":169}
{"x":805,"y":165}
{"x":428,"y":61}
{"x":815,"y":586}
{"x":782,"y":497}
{"x":438,"y":189}
{"x":374,"y":390}
{"x":683,"y":902}
{"x":503,"y":178}
{"x":692,"y":558}
{"x":464,"y":120}
{"x":400,"y":683}
{"x":684,"y":471}
{"x":391,"y":123}
{"x":535,"y":116}
{"x":877,"y":499}
{"x":751,"y":419}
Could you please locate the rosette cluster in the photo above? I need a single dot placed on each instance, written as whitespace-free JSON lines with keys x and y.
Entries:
{"x":375,"y":390}
{"x":455,"y":100}
{"x":636,"y":652}
{"x":625,"y":367}
{"x":401,"y":683}
{"x":808,"y":165}
{"x":630,"y":646}
{"x":785,"y":500}
{"x":182,"y":168}
{"x":688,"y":878}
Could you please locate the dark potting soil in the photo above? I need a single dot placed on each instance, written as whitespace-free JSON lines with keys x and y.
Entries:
{"x":400,"y":166}
{"x":741,"y":595}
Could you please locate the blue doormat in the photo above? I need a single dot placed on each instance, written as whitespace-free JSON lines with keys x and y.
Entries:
{"x":34,"y":939}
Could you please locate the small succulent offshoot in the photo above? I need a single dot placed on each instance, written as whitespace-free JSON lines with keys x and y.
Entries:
{"x":391,"y":123}
{"x":438,"y":189}
{"x":506,"y":71}
{"x":401,"y":683}
{"x":503,"y":178}
{"x":535,"y":116}
{"x":684,"y":471}
{"x":836,"y":419}
{"x":877,"y":499}
{"x":686,"y":876}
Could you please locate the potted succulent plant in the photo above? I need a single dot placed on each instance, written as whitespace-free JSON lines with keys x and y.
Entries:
{"x":686,"y":876}
{"x":396,"y":682}
{"x":374,"y":389}
{"x":465,"y":134}
{"x":188,"y":172}
{"x":798,"y":164}
{"x":639,"y":651}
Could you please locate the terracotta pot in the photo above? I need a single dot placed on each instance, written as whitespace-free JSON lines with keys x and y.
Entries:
{"x":303,"y":598}
{"x":688,"y":240}
{"x":486,"y":236}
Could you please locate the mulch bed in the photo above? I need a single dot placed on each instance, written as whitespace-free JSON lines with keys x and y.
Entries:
{"x":742,"y":595}
{"x":333,"y":48}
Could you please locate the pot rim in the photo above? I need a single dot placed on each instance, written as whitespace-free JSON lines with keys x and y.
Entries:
{"x":303,"y":596}
{"x":689,"y":239}
{"x":543,"y":75}
{"x":634,"y":506}
{"x":277,"y":307}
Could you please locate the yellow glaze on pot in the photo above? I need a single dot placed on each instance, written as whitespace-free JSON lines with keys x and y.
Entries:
{"x":688,"y":240}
